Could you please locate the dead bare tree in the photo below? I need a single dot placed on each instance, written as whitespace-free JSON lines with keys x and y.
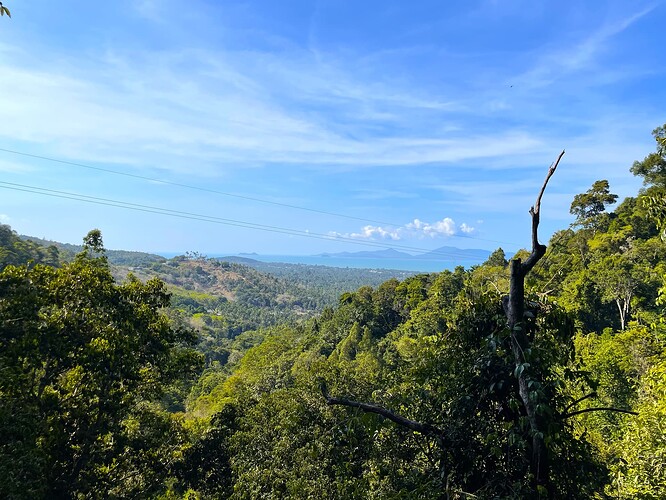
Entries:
{"x":514,"y":309}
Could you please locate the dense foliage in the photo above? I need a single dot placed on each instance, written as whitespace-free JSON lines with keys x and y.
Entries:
{"x":16,"y":251}
{"x":224,"y":299}
{"x":84,"y":363}
{"x":407,"y":389}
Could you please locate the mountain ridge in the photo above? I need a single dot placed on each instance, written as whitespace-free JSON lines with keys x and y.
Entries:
{"x":444,"y":253}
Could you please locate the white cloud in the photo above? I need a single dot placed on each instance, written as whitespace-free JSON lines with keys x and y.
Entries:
{"x":417,"y":229}
{"x":444,"y":227}
{"x":369,"y":233}
{"x":5,"y":219}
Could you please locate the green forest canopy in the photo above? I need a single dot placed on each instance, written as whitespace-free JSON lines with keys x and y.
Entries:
{"x":103,"y":394}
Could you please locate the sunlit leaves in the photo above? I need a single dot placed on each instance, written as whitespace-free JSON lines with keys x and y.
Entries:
{"x":653,"y":167}
{"x":589,"y":207}
{"x":80,"y":355}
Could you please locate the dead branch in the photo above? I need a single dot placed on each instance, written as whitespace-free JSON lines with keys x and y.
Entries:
{"x":601,"y":408}
{"x":538,"y":250}
{"x":415,"y":426}
{"x":551,"y":170}
{"x":580,"y":400}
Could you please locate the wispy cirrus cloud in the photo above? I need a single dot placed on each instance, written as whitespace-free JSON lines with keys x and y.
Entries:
{"x":14,"y":167}
{"x":461,"y":106}
{"x":581,"y":55}
{"x":277,"y":103}
{"x":382,"y":194}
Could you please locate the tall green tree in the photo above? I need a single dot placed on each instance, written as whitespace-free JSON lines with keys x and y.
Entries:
{"x":619,"y":277}
{"x":590,"y":206}
{"x":497,"y":259}
{"x":83,"y":362}
{"x":653,"y":167}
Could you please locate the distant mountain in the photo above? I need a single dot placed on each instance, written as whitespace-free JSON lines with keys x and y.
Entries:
{"x":445,"y":253}
{"x":389,"y":253}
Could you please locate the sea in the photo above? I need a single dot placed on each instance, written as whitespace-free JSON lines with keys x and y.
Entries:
{"x":419,"y":265}
{"x":415,"y":265}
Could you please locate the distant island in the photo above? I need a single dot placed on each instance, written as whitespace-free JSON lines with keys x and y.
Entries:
{"x":441,"y":258}
{"x":445,"y":257}
{"x":445,"y":254}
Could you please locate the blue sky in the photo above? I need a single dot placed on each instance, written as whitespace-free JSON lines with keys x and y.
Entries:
{"x":407,"y":124}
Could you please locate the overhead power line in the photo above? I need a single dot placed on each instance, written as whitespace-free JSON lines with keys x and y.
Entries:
{"x":215,"y":220}
{"x":190,"y":186}
{"x":222,"y":193}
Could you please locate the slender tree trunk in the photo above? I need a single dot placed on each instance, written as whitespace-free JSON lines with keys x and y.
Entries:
{"x":519,"y":345}
{"x":520,"y":342}
{"x":620,"y":308}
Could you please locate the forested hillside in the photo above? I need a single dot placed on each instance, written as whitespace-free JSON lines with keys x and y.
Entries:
{"x":223,"y":299}
{"x":115,"y":257}
{"x":424,"y":387}
{"x":15,"y":251}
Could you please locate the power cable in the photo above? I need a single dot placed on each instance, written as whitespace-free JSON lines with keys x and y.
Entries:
{"x":197,"y":188}
{"x":223,"y":193}
{"x":213,"y":219}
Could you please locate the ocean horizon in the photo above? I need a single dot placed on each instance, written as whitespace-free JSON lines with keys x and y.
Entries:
{"x":413,"y":265}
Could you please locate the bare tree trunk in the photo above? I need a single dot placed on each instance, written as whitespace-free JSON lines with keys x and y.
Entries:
{"x":515,"y":310}
{"x":620,"y":308}
{"x":623,"y":306}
